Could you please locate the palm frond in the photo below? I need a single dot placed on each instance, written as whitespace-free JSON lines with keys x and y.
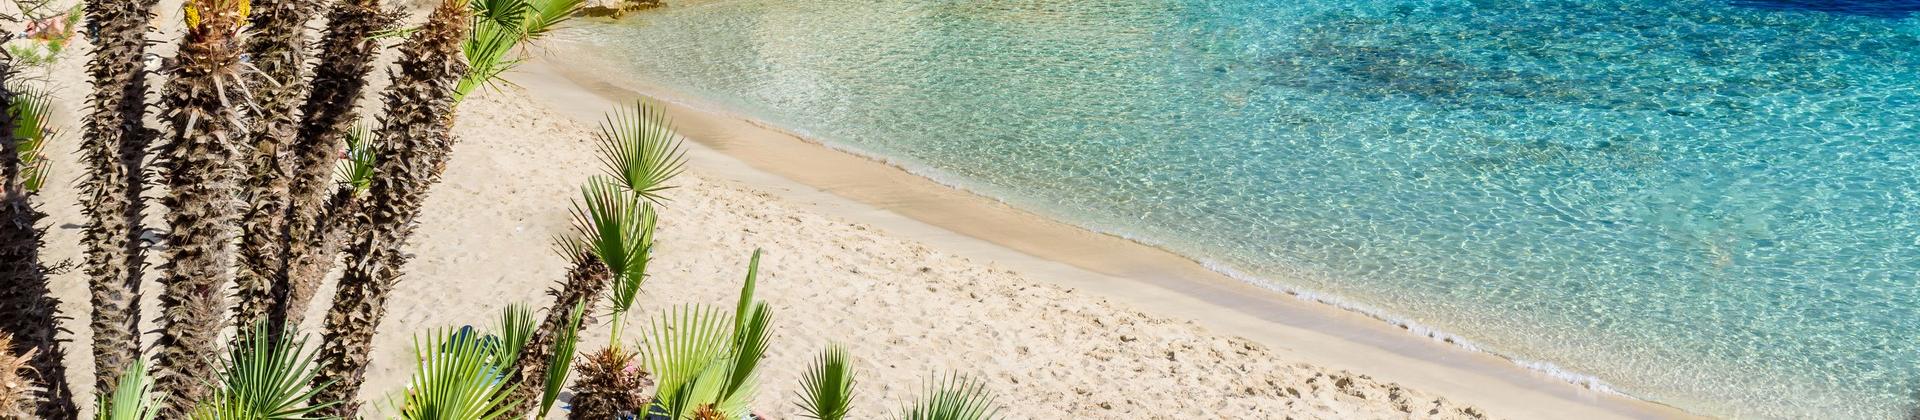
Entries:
{"x":31,"y":109}
{"x":456,"y":380}
{"x":486,"y":51}
{"x":356,"y":170}
{"x":628,"y":279}
{"x":507,"y":14}
{"x":954,"y":397}
{"x":827,"y":387}
{"x":562,"y":362}
{"x":264,"y":378}
{"x":684,"y":344}
{"x":641,"y":150}
{"x":549,"y":14}
{"x":750,"y":334}
{"x":132,"y":397}
{"x":612,"y":226}
{"x":516,"y":329}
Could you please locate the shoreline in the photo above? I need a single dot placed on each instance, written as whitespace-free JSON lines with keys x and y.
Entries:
{"x":870,"y":191}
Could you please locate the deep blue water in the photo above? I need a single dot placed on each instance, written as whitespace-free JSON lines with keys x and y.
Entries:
{"x":1713,"y":204}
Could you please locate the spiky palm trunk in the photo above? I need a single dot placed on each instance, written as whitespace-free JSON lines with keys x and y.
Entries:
{"x":201,"y":165}
{"x":416,"y":135}
{"x":277,"y":44}
{"x":113,"y":151}
{"x":291,"y":294}
{"x":610,"y":387}
{"x":586,"y":281}
{"x":326,"y":115}
{"x":28,"y":310}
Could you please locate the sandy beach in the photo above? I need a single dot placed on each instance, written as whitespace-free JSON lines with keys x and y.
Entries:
{"x":914,"y":277}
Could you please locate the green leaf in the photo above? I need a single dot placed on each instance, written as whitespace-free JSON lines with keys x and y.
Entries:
{"x":827,"y":387}
{"x":516,"y":328}
{"x":549,"y":14}
{"x":616,"y":228}
{"x":132,"y":398}
{"x":641,"y":150}
{"x":683,"y":344}
{"x":562,"y":362}
{"x":506,"y":14}
{"x":31,"y":110}
{"x":356,"y":170}
{"x":456,"y":380}
{"x":263,"y":378}
{"x":628,"y":279}
{"x":751,"y":332}
{"x":955,"y":397}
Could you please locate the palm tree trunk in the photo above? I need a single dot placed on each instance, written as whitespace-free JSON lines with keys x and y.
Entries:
{"x":416,"y":137}
{"x":587,"y":280}
{"x":201,"y":164}
{"x":326,"y":115}
{"x":291,"y":298}
{"x":113,"y":150}
{"x":278,"y":47}
{"x":28,"y":310}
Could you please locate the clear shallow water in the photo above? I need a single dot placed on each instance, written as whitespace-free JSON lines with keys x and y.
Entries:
{"x":1713,"y":204}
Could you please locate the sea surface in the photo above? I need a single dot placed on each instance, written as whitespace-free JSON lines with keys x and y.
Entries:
{"x":1713,"y":204}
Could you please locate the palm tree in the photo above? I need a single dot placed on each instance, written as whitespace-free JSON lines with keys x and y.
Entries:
{"x":112,"y":150}
{"x":33,"y":320}
{"x":607,"y":226}
{"x":416,"y":137}
{"x":705,"y":360}
{"x":278,"y":49}
{"x":200,"y":164}
{"x":327,"y":115}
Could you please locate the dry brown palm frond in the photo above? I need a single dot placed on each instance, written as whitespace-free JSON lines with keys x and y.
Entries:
{"x":18,"y":393}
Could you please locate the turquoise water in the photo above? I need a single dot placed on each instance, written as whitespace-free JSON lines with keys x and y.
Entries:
{"x":1713,"y":204}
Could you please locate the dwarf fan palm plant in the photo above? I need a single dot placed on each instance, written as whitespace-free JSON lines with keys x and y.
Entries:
{"x":457,"y":380}
{"x":826,"y":392}
{"x":641,"y":151}
{"x":705,"y":360}
{"x":132,"y":400}
{"x":263,"y":377}
{"x":953,"y":397}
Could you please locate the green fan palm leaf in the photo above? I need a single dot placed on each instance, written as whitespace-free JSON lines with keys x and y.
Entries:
{"x":751,"y":332}
{"x":953,"y":397}
{"x":456,"y":380}
{"x":132,"y":398}
{"x":356,"y":171}
{"x":641,"y":150}
{"x":264,"y":378}
{"x":31,"y":109}
{"x":562,"y":362}
{"x":683,"y":344}
{"x":516,"y":329}
{"x":827,"y":387}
